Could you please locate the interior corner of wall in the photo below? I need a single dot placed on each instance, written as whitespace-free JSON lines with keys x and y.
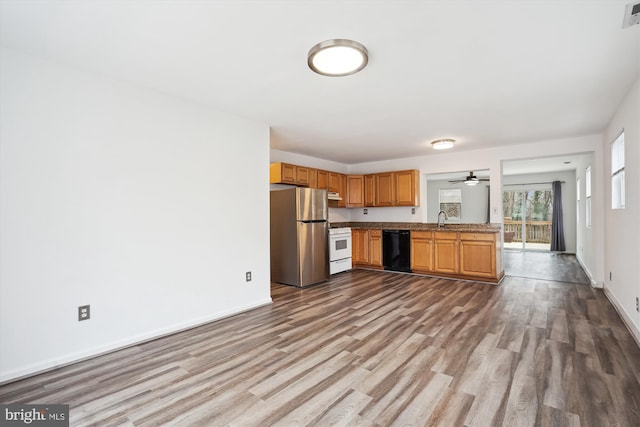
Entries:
{"x":594,"y":283}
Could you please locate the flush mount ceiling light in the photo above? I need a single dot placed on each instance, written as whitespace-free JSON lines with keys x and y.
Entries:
{"x":337,"y":57}
{"x":443,"y":144}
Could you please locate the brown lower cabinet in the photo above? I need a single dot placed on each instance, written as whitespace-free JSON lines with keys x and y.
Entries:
{"x":456,"y":254}
{"x":478,"y":254}
{"x":359,"y":246}
{"x":366,"y":247}
{"x":375,"y":248}
{"x":445,"y":252}
{"x":422,"y":251}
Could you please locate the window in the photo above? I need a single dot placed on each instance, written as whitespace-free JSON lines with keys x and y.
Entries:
{"x":587,"y":196}
{"x":578,"y":200}
{"x":617,"y":173}
{"x":451,"y":203}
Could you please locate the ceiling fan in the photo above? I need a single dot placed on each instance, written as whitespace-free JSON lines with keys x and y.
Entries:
{"x":471,"y":179}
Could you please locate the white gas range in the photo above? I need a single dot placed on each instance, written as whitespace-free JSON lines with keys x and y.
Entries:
{"x":339,"y":250}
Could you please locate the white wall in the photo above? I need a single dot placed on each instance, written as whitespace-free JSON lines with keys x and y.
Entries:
{"x":622,"y":241}
{"x":129,"y":200}
{"x":568,"y":198}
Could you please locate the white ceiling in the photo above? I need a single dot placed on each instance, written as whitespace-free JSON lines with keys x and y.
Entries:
{"x":546,"y":164}
{"x":487,"y":73}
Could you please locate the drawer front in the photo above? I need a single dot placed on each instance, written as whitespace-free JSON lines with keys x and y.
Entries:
{"x":422,"y":234}
{"x":375,"y":233}
{"x":487,"y":237}
{"x":444,"y":235}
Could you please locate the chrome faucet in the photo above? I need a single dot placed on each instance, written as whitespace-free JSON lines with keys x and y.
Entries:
{"x":441,"y":224}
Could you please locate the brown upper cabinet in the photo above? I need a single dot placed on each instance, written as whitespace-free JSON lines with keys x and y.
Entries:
{"x":303,"y":175}
{"x":334,"y":182}
{"x":338,"y":184}
{"x":355,"y":191}
{"x":407,"y":188}
{"x":385,"y":189}
{"x":370,"y":190}
{"x":400,"y":188}
{"x":285,"y":173}
{"x":313,"y":178}
{"x":322,"y":179}
{"x":282,"y":173}
{"x":343,"y":191}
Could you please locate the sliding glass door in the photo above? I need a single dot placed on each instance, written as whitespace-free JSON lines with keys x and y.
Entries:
{"x":527,"y":219}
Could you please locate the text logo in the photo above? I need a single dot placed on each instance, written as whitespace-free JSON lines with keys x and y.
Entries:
{"x":34,"y":415}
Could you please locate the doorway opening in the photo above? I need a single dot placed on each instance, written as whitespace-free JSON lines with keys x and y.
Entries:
{"x":527,"y":219}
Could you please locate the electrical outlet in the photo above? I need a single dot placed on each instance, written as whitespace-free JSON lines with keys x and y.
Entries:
{"x":413,"y":211}
{"x":84,"y":312}
{"x":637,"y":304}
{"x":248,"y":276}
{"x":365,"y":211}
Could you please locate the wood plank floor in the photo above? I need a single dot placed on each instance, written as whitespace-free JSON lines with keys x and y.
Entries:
{"x":556,"y":266}
{"x":372,"y":348}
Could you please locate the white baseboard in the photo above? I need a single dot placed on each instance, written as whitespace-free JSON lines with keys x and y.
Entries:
{"x":594,"y":283}
{"x":626,"y":319}
{"x":51,"y":364}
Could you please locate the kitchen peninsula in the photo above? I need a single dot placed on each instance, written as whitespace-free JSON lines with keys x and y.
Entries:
{"x":463,"y":251}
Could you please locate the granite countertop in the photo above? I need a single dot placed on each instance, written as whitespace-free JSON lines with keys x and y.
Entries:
{"x":422,"y":226}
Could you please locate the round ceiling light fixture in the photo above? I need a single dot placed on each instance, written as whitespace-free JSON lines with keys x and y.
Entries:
{"x":442,"y":144}
{"x":337,"y":57}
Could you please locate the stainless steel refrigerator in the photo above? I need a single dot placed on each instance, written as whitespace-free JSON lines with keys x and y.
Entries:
{"x":299,"y":236}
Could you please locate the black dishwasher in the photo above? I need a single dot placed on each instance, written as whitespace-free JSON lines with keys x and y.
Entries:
{"x":396,"y":250}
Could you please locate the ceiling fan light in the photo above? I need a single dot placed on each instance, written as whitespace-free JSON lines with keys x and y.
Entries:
{"x":337,"y":57}
{"x":442,"y":144}
{"x":471,"y":179}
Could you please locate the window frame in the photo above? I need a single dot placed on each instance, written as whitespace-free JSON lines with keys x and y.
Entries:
{"x":578,"y":200}
{"x":617,"y":172}
{"x":587,"y":196}
{"x":440,"y":202}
